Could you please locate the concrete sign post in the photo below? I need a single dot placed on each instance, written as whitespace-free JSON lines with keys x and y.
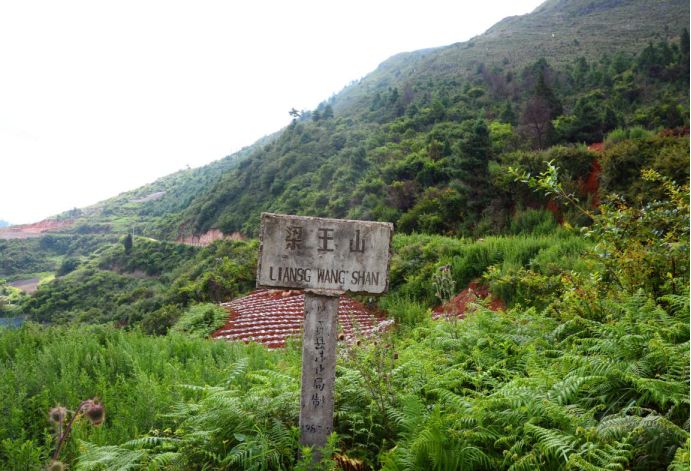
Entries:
{"x":325,"y":257}
{"x":318,"y":369}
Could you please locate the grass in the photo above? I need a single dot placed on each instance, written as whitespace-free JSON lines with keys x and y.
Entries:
{"x":418,"y":257}
{"x":136,"y":376}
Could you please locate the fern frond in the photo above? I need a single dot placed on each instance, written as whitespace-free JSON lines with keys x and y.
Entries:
{"x":237,"y":370}
{"x":678,"y":304}
{"x":662,"y":392}
{"x":529,"y":462}
{"x":565,"y":391}
{"x":681,"y":458}
{"x":552,"y":442}
{"x":598,"y":456}
{"x":617,"y":426}
{"x":148,"y":442}
{"x":410,"y":415}
{"x":165,"y":460}
{"x":456,"y":401}
{"x":111,"y":458}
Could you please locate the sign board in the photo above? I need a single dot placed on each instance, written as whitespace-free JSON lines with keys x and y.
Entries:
{"x":325,"y":257}
{"x":324,"y":254}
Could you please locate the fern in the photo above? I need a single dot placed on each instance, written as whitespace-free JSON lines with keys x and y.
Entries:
{"x":681,"y":458}
{"x":110,"y":458}
{"x":678,"y":304}
{"x":566,"y":390}
{"x":149,"y":442}
{"x":528,"y":462}
{"x":166,"y":460}
{"x":552,"y":442}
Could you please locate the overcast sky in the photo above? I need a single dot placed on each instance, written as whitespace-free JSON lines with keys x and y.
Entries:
{"x":97,"y":98}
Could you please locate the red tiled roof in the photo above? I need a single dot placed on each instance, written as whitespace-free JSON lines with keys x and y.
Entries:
{"x":271,"y":316}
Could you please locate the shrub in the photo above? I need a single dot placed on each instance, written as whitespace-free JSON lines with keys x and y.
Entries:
{"x":162,"y":319}
{"x":201,"y":320}
{"x":533,"y":221}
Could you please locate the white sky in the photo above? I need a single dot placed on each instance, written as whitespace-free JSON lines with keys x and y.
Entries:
{"x":97,"y":98}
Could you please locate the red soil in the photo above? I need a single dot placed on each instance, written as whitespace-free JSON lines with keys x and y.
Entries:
{"x":588,"y":187}
{"x":461,"y":303}
{"x":207,"y":238}
{"x":597,"y":147}
{"x":34,"y":230}
{"x":591,"y":185}
{"x":28,"y":286}
{"x":271,"y":316}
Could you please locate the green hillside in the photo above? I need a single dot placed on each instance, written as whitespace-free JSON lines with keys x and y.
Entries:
{"x":560,"y":30}
{"x":391,"y":146}
{"x":423,"y":140}
{"x":151,"y":210}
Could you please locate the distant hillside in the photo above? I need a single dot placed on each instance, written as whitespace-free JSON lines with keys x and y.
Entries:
{"x":4,"y":223}
{"x":558,"y":30}
{"x":425,"y":141}
{"x":148,"y":209}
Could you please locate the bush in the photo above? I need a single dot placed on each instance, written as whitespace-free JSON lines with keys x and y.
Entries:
{"x":201,"y":320}
{"x":68,"y":265}
{"x":533,"y":221}
{"x":159,"y":321}
{"x":635,"y":133}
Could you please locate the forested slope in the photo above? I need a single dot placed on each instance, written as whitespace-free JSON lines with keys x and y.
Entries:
{"x":428,"y":155}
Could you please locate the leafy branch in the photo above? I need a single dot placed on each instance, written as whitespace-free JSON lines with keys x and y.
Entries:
{"x":548,"y":183}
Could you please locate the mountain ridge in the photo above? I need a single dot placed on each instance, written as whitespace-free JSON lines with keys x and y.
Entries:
{"x":538,"y":37}
{"x":335,"y":145}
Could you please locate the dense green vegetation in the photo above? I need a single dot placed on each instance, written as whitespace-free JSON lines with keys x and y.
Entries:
{"x":136,"y":376}
{"x":587,"y":371}
{"x":22,"y":257}
{"x":150,"y":284}
{"x":431,"y":156}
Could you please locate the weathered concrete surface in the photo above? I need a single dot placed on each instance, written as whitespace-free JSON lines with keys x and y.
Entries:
{"x":320,"y":253}
{"x":318,"y":369}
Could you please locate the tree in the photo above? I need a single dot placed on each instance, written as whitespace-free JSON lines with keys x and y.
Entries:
{"x":507,"y":114}
{"x":542,"y":89}
{"x":536,"y":122}
{"x":475,"y":150}
{"x":127,"y":243}
{"x":540,"y":109}
{"x":684,"y":55}
{"x":585,"y":125}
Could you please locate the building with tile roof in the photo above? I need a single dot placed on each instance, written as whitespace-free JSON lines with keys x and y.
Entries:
{"x":271,"y":316}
